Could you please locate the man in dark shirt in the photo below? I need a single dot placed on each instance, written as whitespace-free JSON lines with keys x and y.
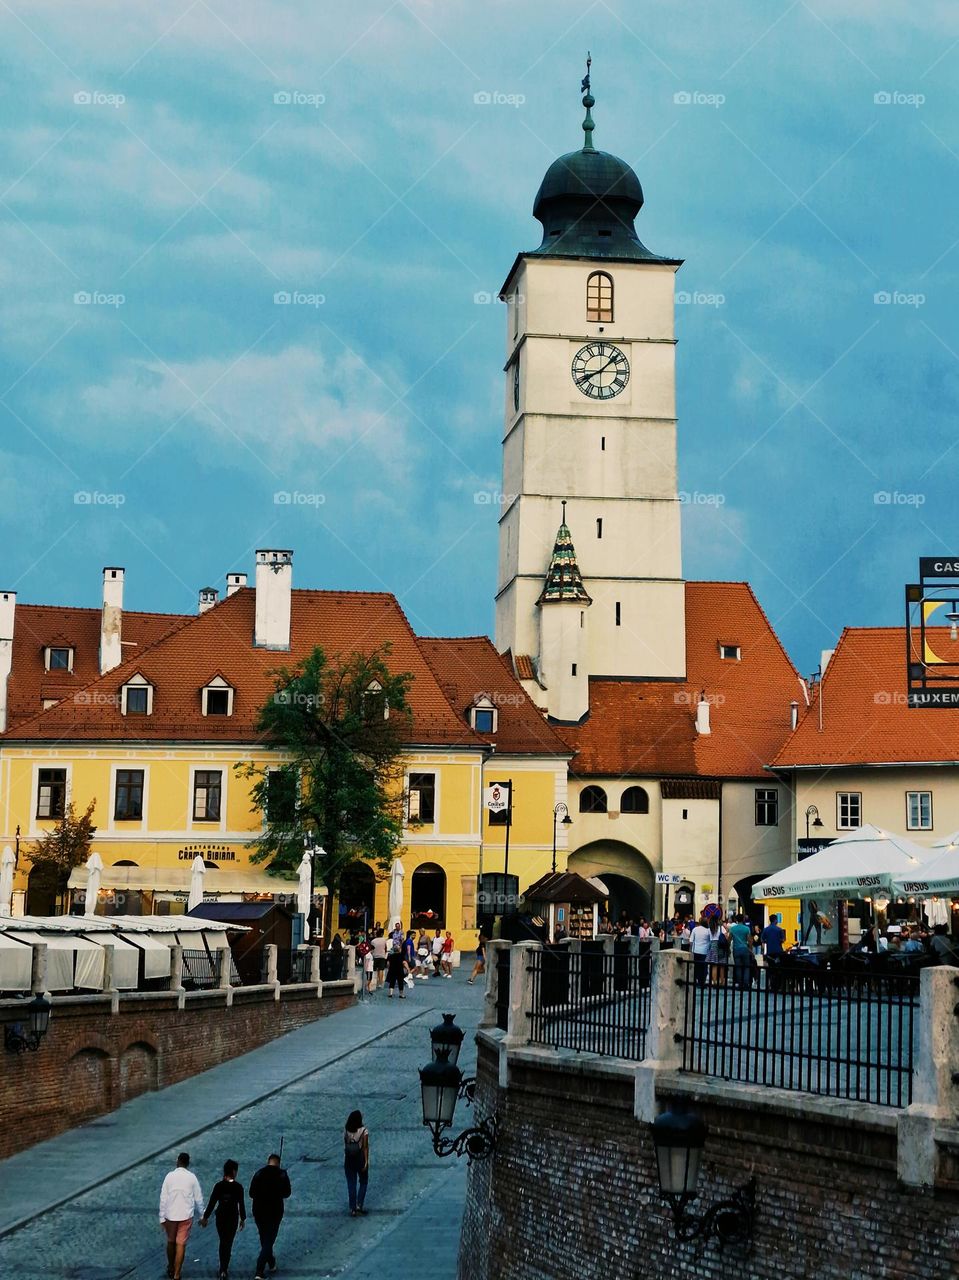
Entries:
{"x":269,"y":1188}
{"x":227,"y":1204}
{"x":773,"y":937}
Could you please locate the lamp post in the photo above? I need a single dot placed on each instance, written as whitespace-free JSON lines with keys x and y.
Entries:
{"x":812,"y":812}
{"x":566,"y":820}
{"x":442,"y":1084}
{"x":16,"y":1040}
{"x":678,"y":1141}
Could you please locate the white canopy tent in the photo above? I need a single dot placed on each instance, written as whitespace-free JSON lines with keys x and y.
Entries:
{"x":939,"y":874}
{"x":16,"y":964}
{"x":72,"y":961}
{"x":857,"y":864}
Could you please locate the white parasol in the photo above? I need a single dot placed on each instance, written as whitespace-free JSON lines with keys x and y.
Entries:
{"x":939,"y":874}
{"x":8,"y":862}
{"x":196,"y":883}
{"x":303,"y":893}
{"x":396,"y":892}
{"x":92,"y":890}
{"x":855,"y":865}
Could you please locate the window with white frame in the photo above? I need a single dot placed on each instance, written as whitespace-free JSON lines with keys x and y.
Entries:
{"x":483,"y":715}
{"x":422,"y":797}
{"x":767,"y":807}
{"x":730,"y":652}
{"x":58,"y":658}
{"x":128,"y":796}
{"x":217,"y":698}
{"x":207,"y":784}
{"x":919,"y":810}
{"x":51,"y":792}
{"x":376,"y":705}
{"x":136,"y":697}
{"x":848,"y":810}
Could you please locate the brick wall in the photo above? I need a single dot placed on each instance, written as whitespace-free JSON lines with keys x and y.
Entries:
{"x":572,"y":1192}
{"x":93,"y":1060}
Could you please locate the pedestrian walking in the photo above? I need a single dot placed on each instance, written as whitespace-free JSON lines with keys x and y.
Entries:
{"x":356,"y":1162}
{"x":396,"y":971}
{"x":229,"y":1213}
{"x":180,"y":1198}
{"x":436,"y":951}
{"x":740,"y":935}
{"x":268,"y":1190}
{"x":717,"y":952}
{"x":381,"y":949}
{"x":480,"y":965}
{"x":699,"y":947}
{"x":409,"y":951}
{"x":446,"y":962}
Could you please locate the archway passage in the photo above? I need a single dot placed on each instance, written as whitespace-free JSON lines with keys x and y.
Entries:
{"x":743,"y":890}
{"x":357,"y":893}
{"x":626,"y":873}
{"x":45,"y":891}
{"x":428,"y":897}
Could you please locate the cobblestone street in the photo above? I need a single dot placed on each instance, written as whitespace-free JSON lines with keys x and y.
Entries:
{"x":365,"y":1057}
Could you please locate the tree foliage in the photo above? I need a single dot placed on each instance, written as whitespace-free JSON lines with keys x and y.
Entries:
{"x":338,"y":728}
{"x":63,"y":847}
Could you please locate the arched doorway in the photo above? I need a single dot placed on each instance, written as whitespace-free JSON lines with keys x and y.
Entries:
{"x":45,"y":891}
{"x":625,"y":872}
{"x":357,"y":892}
{"x":428,"y":897}
{"x":743,"y":891}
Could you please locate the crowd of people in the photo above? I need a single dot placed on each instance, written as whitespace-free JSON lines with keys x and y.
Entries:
{"x":182,"y":1202}
{"x":396,"y":960}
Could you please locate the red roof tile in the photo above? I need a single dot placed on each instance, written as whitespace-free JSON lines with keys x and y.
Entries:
{"x":469,"y":666}
{"x":638,"y":728}
{"x":865,"y":719}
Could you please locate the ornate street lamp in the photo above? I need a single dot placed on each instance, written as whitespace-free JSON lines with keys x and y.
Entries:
{"x":16,"y":1040}
{"x":441,"y":1083}
{"x":447,"y":1038}
{"x":678,"y":1140}
{"x":566,"y":820}
{"x":812,"y":812}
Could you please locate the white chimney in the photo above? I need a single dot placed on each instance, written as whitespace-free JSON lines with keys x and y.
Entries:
{"x":274,"y":590}
{"x":793,"y":714}
{"x":111,"y":620}
{"x":8,"y":606}
{"x":702,"y":715}
{"x":234,"y":581}
{"x":208,"y":598}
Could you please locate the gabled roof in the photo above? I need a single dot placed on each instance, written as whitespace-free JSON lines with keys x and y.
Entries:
{"x":469,"y":665}
{"x":646,"y":728}
{"x":865,"y":718}
{"x":36,"y":626}
{"x":179,"y":664}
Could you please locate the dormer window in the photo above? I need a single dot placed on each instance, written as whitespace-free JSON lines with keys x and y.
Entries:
{"x":730,"y":652}
{"x":483,"y":715}
{"x":136,"y":697}
{"x":58,"y":658}
{"x":217,"y":697}
{"x":375,"y":702}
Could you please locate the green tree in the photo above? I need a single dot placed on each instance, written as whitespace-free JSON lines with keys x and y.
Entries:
{"x":339,"y":728}
{"x":64,"y":847}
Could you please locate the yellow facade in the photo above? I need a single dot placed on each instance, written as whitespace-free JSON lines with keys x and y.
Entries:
{"x":164,"y":841}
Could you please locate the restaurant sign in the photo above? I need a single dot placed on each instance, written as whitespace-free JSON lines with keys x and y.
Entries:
{"x":208,"y":852}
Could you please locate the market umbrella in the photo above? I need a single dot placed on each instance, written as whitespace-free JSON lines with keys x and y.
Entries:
{"x":8,"y":862}
{"x":396,"y":892}
{"x":304,"y":895}
{"x":92,"y":890}
{"x":939,"y":874}
{"x":196,"y":883}
{"x":855,"y":865}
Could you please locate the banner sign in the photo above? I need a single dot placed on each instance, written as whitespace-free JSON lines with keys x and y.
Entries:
{"x":932,"y":638}
{"x":497,"y":797}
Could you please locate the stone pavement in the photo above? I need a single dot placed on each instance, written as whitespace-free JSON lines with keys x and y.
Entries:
{"x":84,"y":1203}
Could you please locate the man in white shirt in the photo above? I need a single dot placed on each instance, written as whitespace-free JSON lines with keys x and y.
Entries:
{"x":699,"y":940}
{"x":180,"y":1198}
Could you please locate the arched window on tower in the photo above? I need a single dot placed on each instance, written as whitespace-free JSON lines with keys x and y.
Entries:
{"x":599,"y":297}
{"x":634,"y":800}
{"x":592,"y":800}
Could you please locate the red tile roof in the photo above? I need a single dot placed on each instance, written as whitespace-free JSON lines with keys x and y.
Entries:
{"x":865,"y":719}
{"x":643,"y":728}
{"x":36,"y":626}
{"x":220,"y":641}
{"x":469,"y":666}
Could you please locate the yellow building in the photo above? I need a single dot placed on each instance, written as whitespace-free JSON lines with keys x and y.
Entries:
{"x":149,"y":715}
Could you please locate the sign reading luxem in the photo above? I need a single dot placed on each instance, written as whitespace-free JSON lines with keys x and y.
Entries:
{"x":932,"y":654}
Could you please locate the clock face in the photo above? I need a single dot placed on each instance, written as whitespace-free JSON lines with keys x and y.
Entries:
{"x":516,"y":383}
{"x":600,"y":370}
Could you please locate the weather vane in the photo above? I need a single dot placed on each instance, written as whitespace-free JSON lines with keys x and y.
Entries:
{"x":584,"y":87}
{"x":588,"y":102}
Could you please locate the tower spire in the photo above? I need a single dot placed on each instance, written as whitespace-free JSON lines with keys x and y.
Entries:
{"x":563,"y":578}
{"x":588,"y":102}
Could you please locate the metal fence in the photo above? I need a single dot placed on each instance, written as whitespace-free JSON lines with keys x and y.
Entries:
{"x":200,"y":970}
{"x":838,"y":1034}
{"x":502,"y":987}
{"x":590,"y":1000}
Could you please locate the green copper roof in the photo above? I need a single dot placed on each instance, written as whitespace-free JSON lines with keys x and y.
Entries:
{"x":588,"y":200}
{"x":563,"y":578}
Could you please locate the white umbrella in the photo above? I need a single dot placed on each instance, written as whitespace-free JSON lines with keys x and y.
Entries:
{"x":855,"y":865}
{"x":303,"y":893}
{"x":938,"y":874}
{"x":7,"y":863}
{"x":92,"y":891}
{"x":196,"y":883}
{"x":396,"y":891}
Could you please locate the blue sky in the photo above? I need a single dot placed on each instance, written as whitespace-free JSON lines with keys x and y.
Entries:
{"x":146,"y":165}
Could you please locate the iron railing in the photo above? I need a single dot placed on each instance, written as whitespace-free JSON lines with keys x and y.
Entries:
{"x":200,"y":970}
{"x":502,"y":987}
{"x":591,"y":1000}
{"x":837,"y":1034}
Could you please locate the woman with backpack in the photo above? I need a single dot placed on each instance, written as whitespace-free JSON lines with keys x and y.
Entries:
{"x":356,"y":1161}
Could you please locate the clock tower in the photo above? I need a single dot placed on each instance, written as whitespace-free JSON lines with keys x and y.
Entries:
{"x":589,"y":448}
